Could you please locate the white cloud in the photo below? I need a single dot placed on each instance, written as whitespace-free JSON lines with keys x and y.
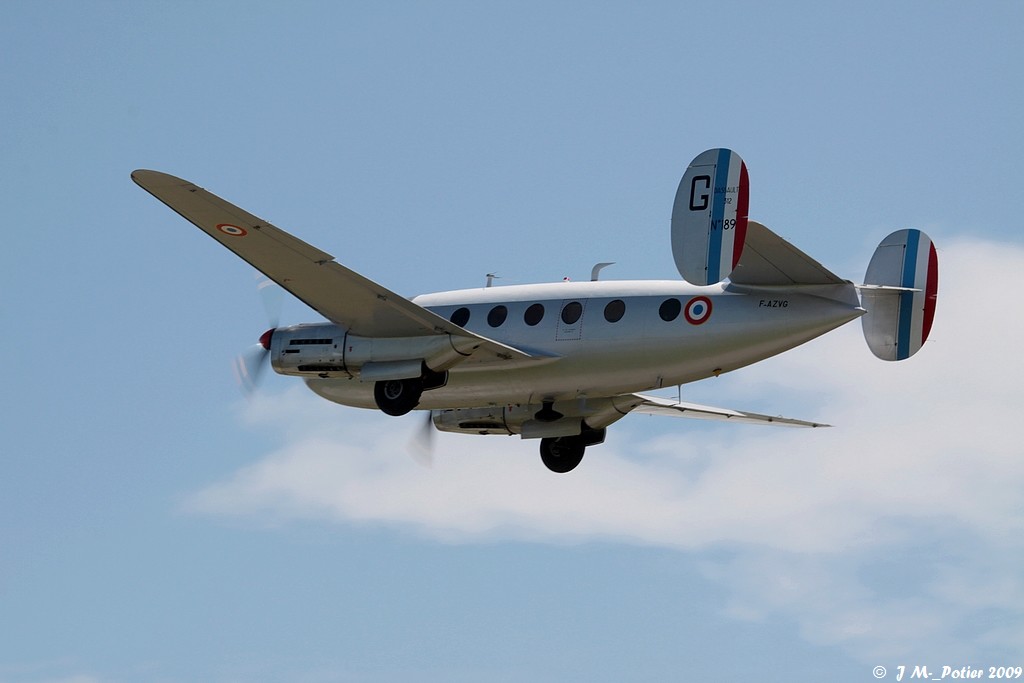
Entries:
{"x":893,"y":533}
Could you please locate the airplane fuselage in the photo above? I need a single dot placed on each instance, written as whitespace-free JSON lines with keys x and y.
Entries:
{"x":592,"y":339}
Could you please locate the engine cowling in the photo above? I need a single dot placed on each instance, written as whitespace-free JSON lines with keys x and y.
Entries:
{"x":327,"y":350}
{"x":576,"y":416}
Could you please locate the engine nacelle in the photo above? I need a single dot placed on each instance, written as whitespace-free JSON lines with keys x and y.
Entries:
{"x":562,"y":418}
{"x":487,"y":420}
{"x":513,"y":419}
{"x":327,"y":350}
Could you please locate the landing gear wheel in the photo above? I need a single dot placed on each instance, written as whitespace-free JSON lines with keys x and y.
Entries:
{"x":562,"y":454}
{"x":398,"y":396}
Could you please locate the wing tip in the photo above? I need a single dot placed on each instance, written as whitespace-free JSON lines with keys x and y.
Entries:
{"x":146,"y":178}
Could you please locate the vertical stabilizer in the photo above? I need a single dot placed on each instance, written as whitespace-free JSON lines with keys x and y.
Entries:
{"x":899,"y":293}
{"x":709,"y":217}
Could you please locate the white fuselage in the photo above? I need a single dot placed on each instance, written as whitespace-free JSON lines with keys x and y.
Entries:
{"x":663,"y":333}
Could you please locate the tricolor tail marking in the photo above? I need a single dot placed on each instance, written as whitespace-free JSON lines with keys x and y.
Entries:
{"x":917,"y":309}
{"x":728,"y":223}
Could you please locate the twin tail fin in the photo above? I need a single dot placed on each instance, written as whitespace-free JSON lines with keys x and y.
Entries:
{"x":899,"y":292}
{"x":713,"y":239}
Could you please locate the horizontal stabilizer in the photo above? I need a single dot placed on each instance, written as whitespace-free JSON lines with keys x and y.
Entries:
{"x":709,"y":217}
{"x":900,"y":290}
{"x":655,"y":405}
{"x":768,"y":260}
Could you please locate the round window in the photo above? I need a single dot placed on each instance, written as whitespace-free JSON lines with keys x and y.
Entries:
{"x":534,"y":314}
{"x":571,"y":312}
{"x":460,"y":317}
{"x":670,"y":309}
{"x":497,"y":316}
{"x":614,"y":311}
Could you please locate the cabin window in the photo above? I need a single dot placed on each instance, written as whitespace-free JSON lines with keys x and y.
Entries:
{"x":534,"y":314}
{"x":572,"y":312}
{"x":460,"y":317}
{"x":497,"y":316}
{"x":614,"y":311}
{"x":670,"y":309}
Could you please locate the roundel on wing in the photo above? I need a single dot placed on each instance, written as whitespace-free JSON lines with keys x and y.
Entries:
{"x":232,"y":230}
{"x":698,"y":310}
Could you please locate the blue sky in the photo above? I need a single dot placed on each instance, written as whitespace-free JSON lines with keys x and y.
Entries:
{"x":156,"y":526}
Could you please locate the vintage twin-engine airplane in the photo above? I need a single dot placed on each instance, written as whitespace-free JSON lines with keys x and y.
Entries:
{"x":562,"y":361}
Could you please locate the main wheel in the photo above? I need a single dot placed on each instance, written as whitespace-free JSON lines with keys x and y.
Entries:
{"x":562,"y":454}
{"x":398,"y":396}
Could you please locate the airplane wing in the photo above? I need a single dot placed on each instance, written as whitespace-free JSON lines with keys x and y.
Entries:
{"x":655,"y":405}
{"x":341,"y":295}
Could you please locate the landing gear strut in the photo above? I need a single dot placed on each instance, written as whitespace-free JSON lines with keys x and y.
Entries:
{"x":562,"y":454}
{"x":398,"y":396}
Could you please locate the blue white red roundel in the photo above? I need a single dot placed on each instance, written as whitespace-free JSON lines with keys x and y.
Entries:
{"x":232,"y":230}
{"x":698,"y":310}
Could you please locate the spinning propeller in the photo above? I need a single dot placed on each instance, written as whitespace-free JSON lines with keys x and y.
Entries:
{"x":251,"y":363}
{"x":421,"y":445}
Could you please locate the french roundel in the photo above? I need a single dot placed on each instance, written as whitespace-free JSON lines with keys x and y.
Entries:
{"x":232,"y":230}
{"x":698,"y":310}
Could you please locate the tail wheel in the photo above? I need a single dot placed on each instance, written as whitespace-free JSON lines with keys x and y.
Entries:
{"x":398,"y":396}
{"x":562,"y":454}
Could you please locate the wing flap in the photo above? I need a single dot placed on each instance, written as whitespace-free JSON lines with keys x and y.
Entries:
{"x":655,"y":405}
